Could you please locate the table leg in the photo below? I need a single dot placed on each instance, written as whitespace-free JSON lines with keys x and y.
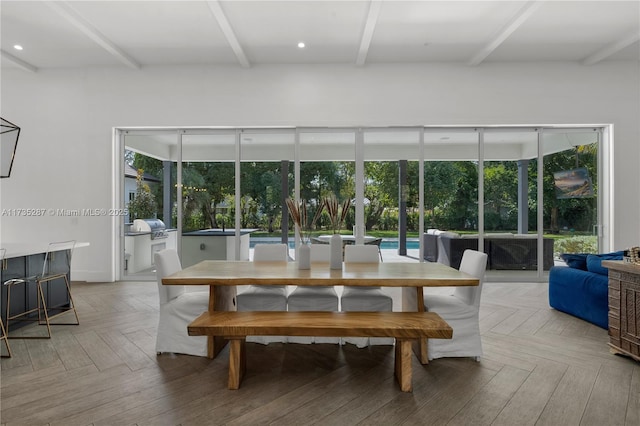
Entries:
{"x":420,"y":345}
{"x":413,"y":301}
{"x":221,"y":298}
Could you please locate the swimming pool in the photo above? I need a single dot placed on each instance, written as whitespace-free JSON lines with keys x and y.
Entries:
{"x":393,"y":244}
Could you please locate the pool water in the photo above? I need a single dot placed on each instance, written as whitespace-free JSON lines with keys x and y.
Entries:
{"x":393,"y":244}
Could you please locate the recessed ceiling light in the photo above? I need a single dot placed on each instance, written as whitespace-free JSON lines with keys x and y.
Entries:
{"x":301,"y":45}
{"x":17,"y":47}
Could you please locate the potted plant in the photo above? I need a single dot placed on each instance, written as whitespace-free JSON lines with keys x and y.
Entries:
{"x":337,"y":212}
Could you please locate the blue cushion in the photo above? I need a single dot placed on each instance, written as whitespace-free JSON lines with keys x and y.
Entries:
{"x":575,"y":260}
{"x":594,"y":261}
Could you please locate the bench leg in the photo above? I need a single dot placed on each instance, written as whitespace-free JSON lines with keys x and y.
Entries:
{"x":420,"y":348}
{"x":237,"y":362}
{"x":403,"y":364}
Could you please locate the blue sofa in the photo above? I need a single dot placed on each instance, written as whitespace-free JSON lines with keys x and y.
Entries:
{"x":581,"y":288}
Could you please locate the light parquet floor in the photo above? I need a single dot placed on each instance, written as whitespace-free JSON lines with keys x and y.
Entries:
{"x":541,"y":367}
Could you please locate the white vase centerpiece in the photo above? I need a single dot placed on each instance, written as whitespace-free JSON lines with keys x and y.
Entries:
{"x":304,"y":257}
{"x":335,"y":259}
{"x":298,"y":213}
{"x":337,"y":213}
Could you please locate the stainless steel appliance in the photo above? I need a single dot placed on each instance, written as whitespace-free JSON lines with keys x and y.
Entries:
{"x":155,"y":227}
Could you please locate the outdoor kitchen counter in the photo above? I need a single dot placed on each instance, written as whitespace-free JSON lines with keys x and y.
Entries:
{"x":139,"y":248}
{"x":214,"y":244}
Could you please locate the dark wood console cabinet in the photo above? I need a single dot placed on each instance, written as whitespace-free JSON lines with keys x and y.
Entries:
{"x":624,"y":308}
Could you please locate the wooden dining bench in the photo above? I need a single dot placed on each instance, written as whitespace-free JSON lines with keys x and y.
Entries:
{"x":403,"y":326}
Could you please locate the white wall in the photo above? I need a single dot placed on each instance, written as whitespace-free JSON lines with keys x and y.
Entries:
{"x":64,"y":157}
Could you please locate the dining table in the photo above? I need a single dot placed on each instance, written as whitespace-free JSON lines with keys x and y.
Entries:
{"x":222,"y":277}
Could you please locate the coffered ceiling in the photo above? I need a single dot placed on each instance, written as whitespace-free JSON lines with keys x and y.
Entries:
{"x":139,"y":34}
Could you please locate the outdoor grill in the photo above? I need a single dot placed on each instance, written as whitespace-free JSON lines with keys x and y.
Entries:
{"x":154,"y":226}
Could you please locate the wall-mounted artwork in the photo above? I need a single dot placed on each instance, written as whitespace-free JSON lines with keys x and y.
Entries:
{"x":574,"y":183}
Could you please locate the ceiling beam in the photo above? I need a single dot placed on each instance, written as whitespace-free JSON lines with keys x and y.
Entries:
{"x":369,"y":29}
{"x":612,"y":48}
{"x":65,"y":10}
{"x":228,"y":32}
{"x":18,"y":62}
{"x":514,"y":23}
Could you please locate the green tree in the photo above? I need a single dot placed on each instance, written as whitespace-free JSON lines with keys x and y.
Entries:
{"x":438,"y":188}
{"x":143,"y":205}
{"x":381,"y":190}
{"x":462,"y":211}
{"x":153,"y":167}
{"x":319,"y":180}
{"x":205,"y":186}
{"x":500,"y":195}
{"x":262,"y":182}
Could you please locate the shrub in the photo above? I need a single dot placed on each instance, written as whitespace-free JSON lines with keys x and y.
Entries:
{"x":577,"y":244}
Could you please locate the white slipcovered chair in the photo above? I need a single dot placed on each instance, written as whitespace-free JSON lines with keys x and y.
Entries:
{"x":371,"y":299}
{"x":461,"y":310}
{"x":265,"y":298}
{"x":178,"y":307}
{"x":322,"y":298}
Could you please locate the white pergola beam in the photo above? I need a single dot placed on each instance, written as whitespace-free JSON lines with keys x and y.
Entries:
{"x":612,"y":48}
{"x":228,"y":32}
{"x":369,"y":29}
{"x":514,"y":23}
{"x":65,"y":10}
{"x":18,"y":62}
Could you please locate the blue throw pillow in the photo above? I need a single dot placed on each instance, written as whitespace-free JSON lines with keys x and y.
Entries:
{"x":594,"y":261}
{"x":575,"y":260}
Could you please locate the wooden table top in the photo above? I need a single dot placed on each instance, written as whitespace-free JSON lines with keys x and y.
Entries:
{"x":388,"y":274}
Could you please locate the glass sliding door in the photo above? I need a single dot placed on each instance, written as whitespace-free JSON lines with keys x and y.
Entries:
{"x":208,"y":197}
{"x":450,"y":194}
{"x":391,"y":182}
{"x":219,"y":191}
{"x":571,"y":189}
{"x":327,"y":169}
{"x":266,"y":180}
{"x":511,"y":204}
{"x":149,"y":193}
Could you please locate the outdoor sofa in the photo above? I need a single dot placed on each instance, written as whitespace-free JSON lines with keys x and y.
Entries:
{"x":506,"y":251}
